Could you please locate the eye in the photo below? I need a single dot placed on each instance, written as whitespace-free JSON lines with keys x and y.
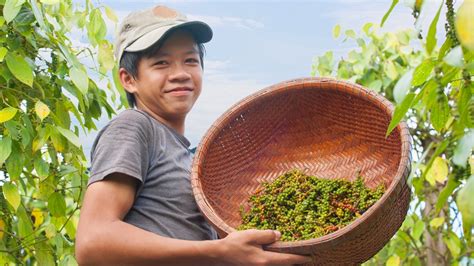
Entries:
{"x":192,"y":60}
{"x":160,"y":63}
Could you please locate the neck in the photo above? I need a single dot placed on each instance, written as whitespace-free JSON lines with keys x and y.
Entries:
{"x":174,"y":123}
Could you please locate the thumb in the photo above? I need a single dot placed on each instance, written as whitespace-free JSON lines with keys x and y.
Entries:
{"x":263,"y":237}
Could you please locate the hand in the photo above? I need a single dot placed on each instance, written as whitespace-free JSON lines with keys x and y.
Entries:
{"x":245,"y":248}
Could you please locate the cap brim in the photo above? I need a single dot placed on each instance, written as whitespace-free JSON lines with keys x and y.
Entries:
{"x":200,"y":30}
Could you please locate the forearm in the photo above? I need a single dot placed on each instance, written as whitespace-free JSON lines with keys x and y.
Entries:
{"x":117,"y":242}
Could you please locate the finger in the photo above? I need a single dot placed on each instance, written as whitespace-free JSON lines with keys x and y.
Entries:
{"x":262,"y":237}
{"x":276,"y":258}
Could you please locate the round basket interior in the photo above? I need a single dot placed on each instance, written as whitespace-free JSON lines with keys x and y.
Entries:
{"x":326,"y":128}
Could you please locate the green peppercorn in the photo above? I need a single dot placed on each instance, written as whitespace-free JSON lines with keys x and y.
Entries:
{"x":304,"y":207}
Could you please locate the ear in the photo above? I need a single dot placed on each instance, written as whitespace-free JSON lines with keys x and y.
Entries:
{"x":127,"y":80}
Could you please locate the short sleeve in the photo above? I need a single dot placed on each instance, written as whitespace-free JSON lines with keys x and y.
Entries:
{"x":122,"y":147}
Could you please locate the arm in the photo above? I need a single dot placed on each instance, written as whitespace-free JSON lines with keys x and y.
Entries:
{"x":103,"y":237}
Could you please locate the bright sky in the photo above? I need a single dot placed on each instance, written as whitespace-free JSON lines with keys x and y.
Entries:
{"x":260,"y":43}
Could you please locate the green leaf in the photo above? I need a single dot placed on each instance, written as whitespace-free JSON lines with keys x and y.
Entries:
{"x":111,"y":14}
{"x":80,"y":79}
{"x":400,"y":111}
{"x":437,"y":222}
{"x":440,"y":113}
{"x":25,"y":227}
{"x":438,"y":171}
{"x":15,"y":164}
{"x":394,"y":3}
{"x":57,"y":204}
{"x":7,"y":114}
{"x":39,"y":15}
{"x":444,"y":48}
{"x":42,"y":110}
{"x":446,"y":193}
{"x":418,"y":229}
{"x":41,"y":167}
{"x":376,"y":85}
{"x":336,"y":31}
{"x":11,"y":9}
{"x":464,"y":100}
{"x":465,"y":202}
{"x":5,"y":148}
{"x":44,"y":254}
{"x":422,"y":72}
{"x":403,"y":86}
{"x":40,"y":139}
{"x":20,"y":68}
{"x":455,"y":57}
{"x":464,"y":149}
{"x":431,"y":37}
{"x":3,"y":52}
{"x":69,"y":135}
{"x":454,"y":244}
{"x":11,"y":194}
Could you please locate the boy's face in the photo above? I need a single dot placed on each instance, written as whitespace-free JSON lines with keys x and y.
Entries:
{"x":169,"y":83}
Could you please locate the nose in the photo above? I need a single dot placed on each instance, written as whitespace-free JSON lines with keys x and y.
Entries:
{"x":179,"y":73}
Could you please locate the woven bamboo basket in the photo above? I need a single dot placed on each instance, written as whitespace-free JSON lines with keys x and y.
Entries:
{"x":329,"y":128}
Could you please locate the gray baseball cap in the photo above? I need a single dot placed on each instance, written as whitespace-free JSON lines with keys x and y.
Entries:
{"x":141,"y":29}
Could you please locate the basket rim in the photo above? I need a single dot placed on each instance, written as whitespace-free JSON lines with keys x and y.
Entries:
{"x":396,"y":185}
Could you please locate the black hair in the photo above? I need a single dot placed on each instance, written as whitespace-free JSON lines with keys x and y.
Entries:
{"x":130,"y":60}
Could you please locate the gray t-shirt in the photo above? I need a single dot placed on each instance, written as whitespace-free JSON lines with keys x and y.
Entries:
{"x":136,"y":144}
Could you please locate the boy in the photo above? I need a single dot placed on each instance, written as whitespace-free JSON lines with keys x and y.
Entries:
{"x":139,"y":208}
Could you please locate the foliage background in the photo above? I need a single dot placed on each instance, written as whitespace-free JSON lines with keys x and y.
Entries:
{"x":48,"y":96}
{"x":431,"y":87}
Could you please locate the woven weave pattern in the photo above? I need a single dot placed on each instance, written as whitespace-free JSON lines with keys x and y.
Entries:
{"x":328,"y":128}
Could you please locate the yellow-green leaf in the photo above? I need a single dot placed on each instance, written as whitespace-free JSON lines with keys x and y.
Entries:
{"x":80,"y":79}
{"x":20,"y":68}
{"x":438,"y":172}
{"x":7,"y":114}
{"x":394,"y":3}
{"x":465,"y":202}
{"x":394,"y":260}
{"x":465,"y":24}
{"x":106,"y":57}
{"x":336,"y":31}
{"x":50,"y":231}
{"x":69,"y":135}
{"x":454,"y":244}
{"x":42,"y":110}
{"x":437,"y":222}
{"x":110,"y":14}
{"x":2,"y":228}
{"x":49,"y":2}
{"x":11,"y":9}
{"x":5,"y":148}
{"x":3,"y":52}
{"x":11,"y":194}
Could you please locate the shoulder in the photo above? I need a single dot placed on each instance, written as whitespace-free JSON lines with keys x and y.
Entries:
{"x":132,"y":116}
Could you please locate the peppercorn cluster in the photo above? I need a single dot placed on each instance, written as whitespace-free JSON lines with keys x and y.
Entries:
{"x":304,"y":207}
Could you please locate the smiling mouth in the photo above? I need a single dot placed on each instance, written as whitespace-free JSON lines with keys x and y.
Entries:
{"x":180,"y":89}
